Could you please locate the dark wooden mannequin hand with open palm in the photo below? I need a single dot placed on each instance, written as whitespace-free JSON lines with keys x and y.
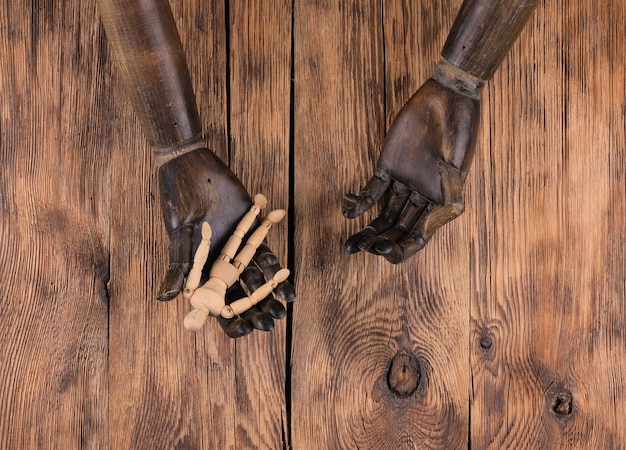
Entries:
{"x":429,"y":149}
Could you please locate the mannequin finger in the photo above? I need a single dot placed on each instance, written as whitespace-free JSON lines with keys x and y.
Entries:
{"x":364,"y":239}
{"x":268,"y":263}
{"x":180,"y":250}
{"x":396,"y":252}
{"x":254,"y":318}
{"x":352,"y":244}
{"x":260,"y":320}
{"x":386,"y":243}
{"x":434,"y":218}
{"x":285,"y":292}
{"x":251,"y":279}
{"x":236,"y":327}
{"x":235,"y":292}
{"x":355,"y":205}
{"x":245,"y":303}
{"x":411,"y":244}
{"x":273,"y":307}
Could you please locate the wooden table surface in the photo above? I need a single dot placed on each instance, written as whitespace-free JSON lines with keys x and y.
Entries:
{"x":514,"y":315}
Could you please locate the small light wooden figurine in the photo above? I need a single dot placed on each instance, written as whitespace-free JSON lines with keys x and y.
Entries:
{"x":209,"y":299}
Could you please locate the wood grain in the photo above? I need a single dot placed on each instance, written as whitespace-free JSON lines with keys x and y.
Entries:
{"x":512,"y":316}
{"x":547,"y":357}
{"x":260,"y":71}
{"x":54,"y":205}
{"x":367,"y":311}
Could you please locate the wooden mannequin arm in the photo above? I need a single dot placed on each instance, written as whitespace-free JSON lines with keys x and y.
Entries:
{"x":483,"y":33}
{"x":430,"y":145}
{"x":150,"y":57}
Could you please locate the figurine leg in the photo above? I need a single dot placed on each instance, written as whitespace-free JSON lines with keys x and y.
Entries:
{"x":199,"y":259}
{"x":233,"y":243}
{"x":244,"y":257}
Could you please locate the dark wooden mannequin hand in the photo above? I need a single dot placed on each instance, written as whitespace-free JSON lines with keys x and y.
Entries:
{"x":421,"y":169}
{"x":197,"y":187}
{"x":430,"y":146}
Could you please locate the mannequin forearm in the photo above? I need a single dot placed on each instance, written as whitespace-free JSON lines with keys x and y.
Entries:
{"x":147,"y":48}
{"x":483,"y":33}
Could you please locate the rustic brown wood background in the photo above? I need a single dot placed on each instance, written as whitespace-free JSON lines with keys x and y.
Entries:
{"x":515,"y":311}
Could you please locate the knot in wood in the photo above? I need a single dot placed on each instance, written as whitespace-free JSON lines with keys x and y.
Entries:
{"x":404,"y":375}
{"x":562,"y":403}
{"x":486,"y":342}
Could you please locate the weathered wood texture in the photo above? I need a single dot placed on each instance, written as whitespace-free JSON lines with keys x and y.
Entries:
{"x":512,"y":316}
{"x":351,"y":67}
{"x":260,"y":83}
{"x":548,"y":252}
{"x":55,"y":196}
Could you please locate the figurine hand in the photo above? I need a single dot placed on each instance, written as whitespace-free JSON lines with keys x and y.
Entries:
{"x":420,"y":173}
{"x":198,"y":187}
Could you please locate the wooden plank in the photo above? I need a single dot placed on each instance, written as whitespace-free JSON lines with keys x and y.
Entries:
{"x":54,"y":198}
{"x":358,"y":312}
{"x":169,"y":388}
{"x":547,"y":343}
{"x":260,"y":72}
